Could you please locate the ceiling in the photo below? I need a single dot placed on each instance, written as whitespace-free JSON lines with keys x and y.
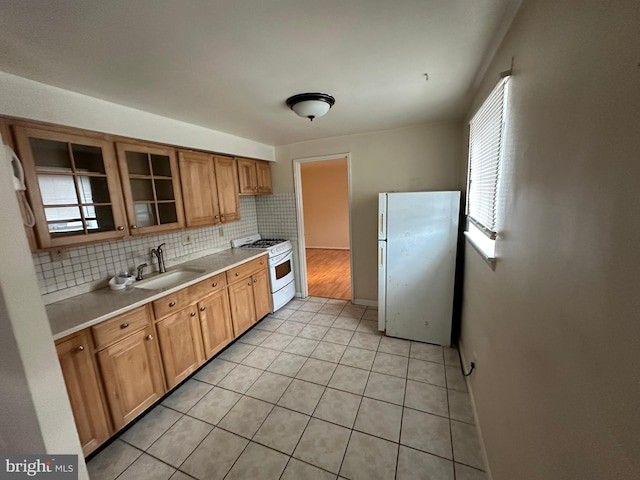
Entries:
{"x":230,"y":65}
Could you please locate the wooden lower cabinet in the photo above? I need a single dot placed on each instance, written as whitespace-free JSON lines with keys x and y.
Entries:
{"x":192,"y":325}
{"x":250,"y":295}
{"x":132,"y":375}
{"x":180,"y":345}
{"x":75,"y":354}
{"x":215,"y":322}
{"x":243,"y":309}
{"x":262,"y":293}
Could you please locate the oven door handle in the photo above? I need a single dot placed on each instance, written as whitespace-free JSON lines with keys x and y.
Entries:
{"x":278,"y":259}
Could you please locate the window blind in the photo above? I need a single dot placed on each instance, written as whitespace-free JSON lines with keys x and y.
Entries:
{"x":485,"y":154}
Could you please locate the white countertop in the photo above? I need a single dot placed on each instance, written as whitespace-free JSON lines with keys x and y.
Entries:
{"x":82,"y":311}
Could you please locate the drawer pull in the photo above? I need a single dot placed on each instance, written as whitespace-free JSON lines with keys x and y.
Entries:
{"x":202,"y":309}
{"x":172,"y":304}
{"x":261,"y":262}
{"x":193,"y":314}
{"x":124,"y":325}
{"x":237,"y":274}
{"x":215,"y":284}
{"x":80,"y":348}
{"x":149,"y":337}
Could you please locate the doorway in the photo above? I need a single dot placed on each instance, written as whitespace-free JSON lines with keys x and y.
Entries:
{"x":324,"y":232}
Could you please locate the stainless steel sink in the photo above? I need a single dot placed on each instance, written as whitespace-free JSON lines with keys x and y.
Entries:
{"x":169,"y":279}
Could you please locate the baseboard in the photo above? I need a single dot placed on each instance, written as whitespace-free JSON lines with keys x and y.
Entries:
{"x":326,"y":248}
{"x":365,"y":303}
{"x":475,"y":412}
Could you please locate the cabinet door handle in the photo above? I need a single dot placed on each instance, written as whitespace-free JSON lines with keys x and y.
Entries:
{"x":262,"y":262}
{"x":149,"y":337}
{"x":214,"y":284}
{"x":172,"y":304}
{"x":193,"y":314}
{"x":249,"y":283}
{"x":255,"y":281}
{"x":124,"y":325}
{"x":133,"y":227}
{"x":216,"y":217}
{"x":80,"y":348}
{"x":202,"y":309}
{"x":121,"y":228}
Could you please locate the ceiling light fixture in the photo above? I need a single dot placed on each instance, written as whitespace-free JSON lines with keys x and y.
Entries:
{"x":311,"y":105}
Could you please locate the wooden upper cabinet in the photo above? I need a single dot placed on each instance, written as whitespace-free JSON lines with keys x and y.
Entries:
{"x":75,"y":354}
{"x":199,"y":191}
{"x":247,"y":176}
{"x":210,"y":188}
{"x":263,"y":174}
{"x":151,"y":188}
{"x":227,"y":186}
{"x":254,"y":177}
{"x":73,"y":187}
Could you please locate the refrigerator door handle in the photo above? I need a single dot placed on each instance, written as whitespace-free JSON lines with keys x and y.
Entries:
{"x":382,"y":286}
{"x":382,"y":210}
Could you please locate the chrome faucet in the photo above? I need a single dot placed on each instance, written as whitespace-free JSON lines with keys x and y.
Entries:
{"x":160,"y":254}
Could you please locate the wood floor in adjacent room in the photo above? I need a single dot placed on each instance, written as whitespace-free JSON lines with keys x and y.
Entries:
{"x":329,"y":273}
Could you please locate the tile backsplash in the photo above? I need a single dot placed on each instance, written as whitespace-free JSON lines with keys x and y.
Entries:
{"x":277,"y":218}
{"x":277,"y":215}
{"x":90,"y":266}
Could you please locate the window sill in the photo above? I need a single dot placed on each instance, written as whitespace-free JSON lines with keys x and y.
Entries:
{"x":489,"y":258}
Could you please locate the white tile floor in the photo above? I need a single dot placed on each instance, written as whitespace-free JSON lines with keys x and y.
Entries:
{"x":310,"y":392}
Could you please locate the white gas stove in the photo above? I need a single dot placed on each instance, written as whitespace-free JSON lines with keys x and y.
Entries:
{"x":280,"y":255}
{"x":275,"y":246}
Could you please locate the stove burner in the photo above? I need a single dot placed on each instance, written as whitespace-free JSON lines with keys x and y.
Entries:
{"x":264,"y":243}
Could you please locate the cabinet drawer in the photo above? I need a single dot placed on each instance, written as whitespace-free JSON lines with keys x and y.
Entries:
{"x":110,"y":331}
{"x":171,"y":303}
{"x":207,"y":287}
{"x":187,"y":296}
{"x":245,"y":269}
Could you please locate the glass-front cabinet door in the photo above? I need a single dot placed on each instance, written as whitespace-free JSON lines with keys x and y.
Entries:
{"x":73,"y":185}
{"x":151,"y":188}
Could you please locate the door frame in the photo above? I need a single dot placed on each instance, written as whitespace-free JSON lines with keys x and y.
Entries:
{"x":302,"y":253}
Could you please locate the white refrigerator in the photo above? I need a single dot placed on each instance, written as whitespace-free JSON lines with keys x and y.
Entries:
{"x":417,"y":244}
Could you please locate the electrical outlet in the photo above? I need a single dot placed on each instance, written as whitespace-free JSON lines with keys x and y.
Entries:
{"x":221,"y":232}
{"x":186,"y":239}
{"x":59,"y":254}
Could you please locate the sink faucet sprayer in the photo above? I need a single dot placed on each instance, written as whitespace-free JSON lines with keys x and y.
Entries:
{"x":160,"y":254}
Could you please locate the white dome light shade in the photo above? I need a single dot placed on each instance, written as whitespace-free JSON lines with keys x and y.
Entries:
{"x":311,"y":105}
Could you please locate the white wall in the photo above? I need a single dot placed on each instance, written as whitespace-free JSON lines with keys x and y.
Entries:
{"x":36,"y":415}
{"x":555,"y":327}
{"x":325,"y":197}
{"x":424,"y":157}
{"x":24,"y":98}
